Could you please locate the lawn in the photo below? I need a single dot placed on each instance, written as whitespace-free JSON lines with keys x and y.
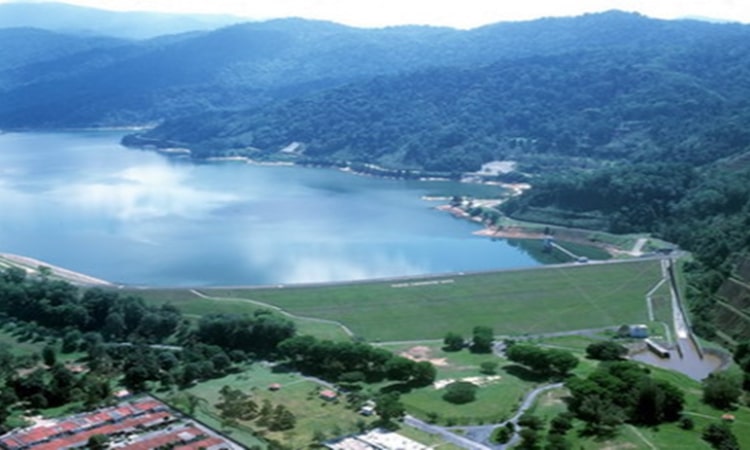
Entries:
{"x":194,"y":307}
{"x":512,"y":302}
{"x":297,"y":393}
{"x":18,"y":346}
{"x":496,"y":400}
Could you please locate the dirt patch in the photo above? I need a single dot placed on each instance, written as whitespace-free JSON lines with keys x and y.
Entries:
{"x":423,"y":353}
{"x":479,"y":381}
{"x":552,"y":398}
{"x":623,"y":446}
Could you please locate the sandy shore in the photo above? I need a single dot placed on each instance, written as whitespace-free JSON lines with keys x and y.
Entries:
{"x":31,"y":266}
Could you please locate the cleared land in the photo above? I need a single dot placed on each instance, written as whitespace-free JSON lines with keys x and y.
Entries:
{"x":513,"y":302}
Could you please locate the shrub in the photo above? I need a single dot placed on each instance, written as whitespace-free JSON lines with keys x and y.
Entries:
{"x":460,"y":392}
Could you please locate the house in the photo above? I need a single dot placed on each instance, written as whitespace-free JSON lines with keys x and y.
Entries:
{"x":328,"y":394}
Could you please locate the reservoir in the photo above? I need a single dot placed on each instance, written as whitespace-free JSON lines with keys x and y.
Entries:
{"x":82,"y":201}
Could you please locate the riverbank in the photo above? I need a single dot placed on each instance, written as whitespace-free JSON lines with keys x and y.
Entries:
{"x":32,"y":267}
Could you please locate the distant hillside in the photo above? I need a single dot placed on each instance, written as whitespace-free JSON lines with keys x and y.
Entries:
{"x":66,"y":18}
{"x":236,"y":67}
{"x":259,"y":64}
{"x":679,"y":105}
{"x":24,"y":46}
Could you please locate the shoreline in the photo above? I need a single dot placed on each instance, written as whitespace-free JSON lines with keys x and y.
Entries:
{"x":520,"y":232}
{"x":31,"y":266}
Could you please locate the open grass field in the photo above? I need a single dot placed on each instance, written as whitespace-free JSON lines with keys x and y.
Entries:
{"x":516,"y":302}
{"x":297,"y":393}
{"x":497,"y":398}
{"x":19,"y":347}
{"x":195,"y":307}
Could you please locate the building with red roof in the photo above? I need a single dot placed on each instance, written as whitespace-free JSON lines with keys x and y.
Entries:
{"x":141,"y":423}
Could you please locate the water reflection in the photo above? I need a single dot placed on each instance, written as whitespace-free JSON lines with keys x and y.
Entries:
{"x":81,"y":201}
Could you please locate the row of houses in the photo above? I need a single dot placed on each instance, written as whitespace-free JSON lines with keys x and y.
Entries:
{"x":139,"y":424}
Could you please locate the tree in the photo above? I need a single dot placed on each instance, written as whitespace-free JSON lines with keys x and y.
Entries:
{"x":502,"y":435}
{"x":135,"y":379}
{"x":282,"y":419}
{"x":561,"y":423}
{"x":528,"y":420}
{"x":14,"y":275}
{"x":488,"y":367}
{"x":721,"y":390}
{"x":423,"y":374}
{"x":235,"y":405}
{"x":720,"y":436}
{"x":556,"y":441}
{"x":98,"y":442}
{"x":61,"y":384}
{"x":606,"y":351}
{"x":601,"y":415}
{"x":460,"y":392}
{"x":49,"y":356}
{"x":530,"y":439}
{"x":686,"y":423}
{"x":531,"y":356}
{"x":264,"y":415}
{"x":482,"y":339}
{"x":453,"y":342}
{"x":399,"y":368}
{"x":388,"y":406}
{"x":70,"y":341}
{"x":561,"y":362}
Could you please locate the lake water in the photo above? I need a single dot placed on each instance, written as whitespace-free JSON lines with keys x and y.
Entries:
{"x":81,"y":201}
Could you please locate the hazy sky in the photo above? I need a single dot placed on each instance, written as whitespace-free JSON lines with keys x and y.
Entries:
{"x":455,"y":13}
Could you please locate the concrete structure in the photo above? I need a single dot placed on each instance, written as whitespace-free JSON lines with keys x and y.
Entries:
{"x":638,"y":331}
{"x":377,"y":439}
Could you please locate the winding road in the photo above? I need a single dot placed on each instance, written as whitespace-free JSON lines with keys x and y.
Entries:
{"x":478,"y":437}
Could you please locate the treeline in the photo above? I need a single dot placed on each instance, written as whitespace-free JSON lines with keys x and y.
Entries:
{"x":59,"y":305}
{"x":622,"y":391}
{"x":353,"y":362}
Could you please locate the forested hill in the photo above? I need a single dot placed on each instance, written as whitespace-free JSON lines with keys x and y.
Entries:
{"x":260,"y":64}
{"x":66,"y":18}
{"x":585,"y":106}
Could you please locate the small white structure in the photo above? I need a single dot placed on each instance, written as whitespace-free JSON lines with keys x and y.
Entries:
{"x":638,"y":331}
{"x":377,"y":439}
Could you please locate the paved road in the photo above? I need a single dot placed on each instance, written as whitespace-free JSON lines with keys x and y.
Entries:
{"x":478,"y":437}
{"x":444,"y":433}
